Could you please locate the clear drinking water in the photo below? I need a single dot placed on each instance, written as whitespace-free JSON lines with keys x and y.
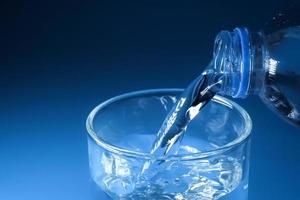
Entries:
{"x":211,"y":162}
{"x":187,"y":106}
{"x":185,"y":109}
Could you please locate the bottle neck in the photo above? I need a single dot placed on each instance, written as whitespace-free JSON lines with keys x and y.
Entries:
{"x":239,"y":57}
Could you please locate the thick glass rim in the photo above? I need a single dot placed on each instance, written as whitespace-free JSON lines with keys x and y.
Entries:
{"x":121,"y":151}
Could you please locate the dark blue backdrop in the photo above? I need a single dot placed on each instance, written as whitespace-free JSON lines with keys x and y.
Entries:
{"x":59,"y":59}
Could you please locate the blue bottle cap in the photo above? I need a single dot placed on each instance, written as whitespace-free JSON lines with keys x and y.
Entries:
{"x":245,"y":68}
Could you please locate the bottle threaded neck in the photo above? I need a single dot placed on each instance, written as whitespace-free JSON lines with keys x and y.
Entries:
{"x":236,"y":56}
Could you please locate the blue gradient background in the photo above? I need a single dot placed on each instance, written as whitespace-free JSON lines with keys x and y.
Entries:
{"x":59,"y":59}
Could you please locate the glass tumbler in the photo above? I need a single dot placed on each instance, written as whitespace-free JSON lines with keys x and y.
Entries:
{"x":212,"y":161}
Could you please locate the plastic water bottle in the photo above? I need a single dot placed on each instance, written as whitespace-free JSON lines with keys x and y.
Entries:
{"x":264,"y":63}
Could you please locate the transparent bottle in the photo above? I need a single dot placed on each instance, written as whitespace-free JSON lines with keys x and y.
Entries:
{"x":264,"y":64}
